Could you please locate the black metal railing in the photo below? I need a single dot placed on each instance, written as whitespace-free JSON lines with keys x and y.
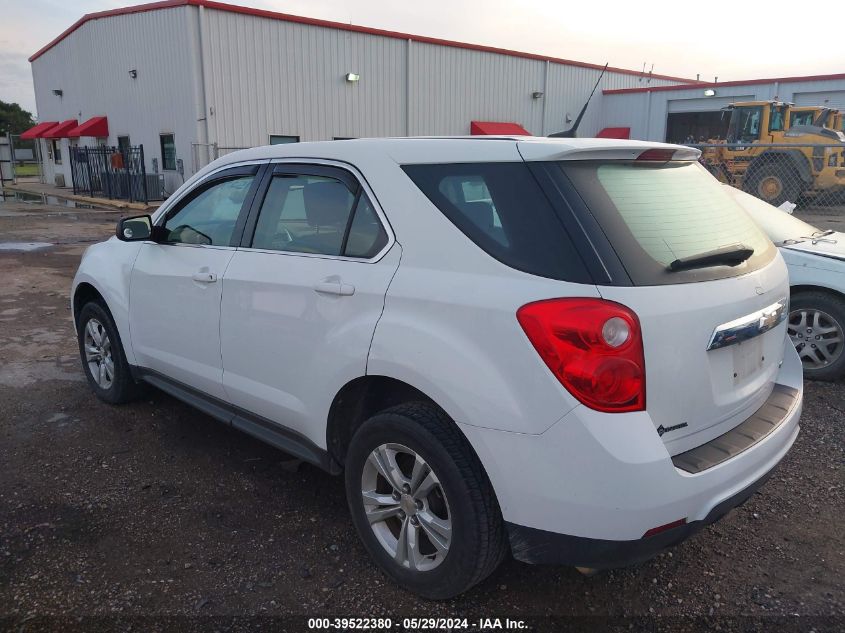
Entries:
{"x":110,"y":172}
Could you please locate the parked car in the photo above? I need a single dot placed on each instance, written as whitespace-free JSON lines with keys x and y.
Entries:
{"x":816,"y":262}
{"x":524,"y":345}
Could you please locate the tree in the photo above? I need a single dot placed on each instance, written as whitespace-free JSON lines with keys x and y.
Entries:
{"x":14,"y":119}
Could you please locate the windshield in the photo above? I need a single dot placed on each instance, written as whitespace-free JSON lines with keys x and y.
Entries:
{"x":778,"y":225}
{"x":745,"y":124}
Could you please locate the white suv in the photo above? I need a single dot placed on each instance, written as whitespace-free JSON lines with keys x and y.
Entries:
{"x":574,"y":351}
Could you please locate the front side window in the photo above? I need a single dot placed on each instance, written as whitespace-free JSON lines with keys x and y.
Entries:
{"x":168,"y":152}
{"x":319,"y":215}
{"x":123,"y":143}
{"x":776,"y":119}
{"x":57,"y":151}
{"x":210,"y":216}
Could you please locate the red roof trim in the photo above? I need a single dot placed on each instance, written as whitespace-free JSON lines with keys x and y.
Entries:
{"x":723,"y":84}
{"x":615,"y":132}
{"x":286,"y":17}
{"x":61,"y":130}
{"x":493,"y":128}
{"x":37,"y":131}
{"x":96,"y":127}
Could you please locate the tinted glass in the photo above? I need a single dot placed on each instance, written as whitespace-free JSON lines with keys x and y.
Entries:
{"x":211,"y":215}
{"x":304,"y":214}
{"x":655,"y":213}
{"x":501,"y":208}
{"x":366,"y":234}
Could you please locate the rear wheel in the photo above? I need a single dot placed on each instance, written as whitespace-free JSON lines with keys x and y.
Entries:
{"x":775,"y":183}
{"x":817,"y":329}
{"x":422,"y":503}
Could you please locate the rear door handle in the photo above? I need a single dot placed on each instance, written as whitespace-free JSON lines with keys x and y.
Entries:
{"x":204,"y":277}
{"x":334,"y":288}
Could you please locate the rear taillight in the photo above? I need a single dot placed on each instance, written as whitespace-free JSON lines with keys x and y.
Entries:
{"x":594,"y":347}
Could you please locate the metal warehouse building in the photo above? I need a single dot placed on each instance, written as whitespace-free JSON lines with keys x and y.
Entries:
{"x":672,"y":113}
{"x":189,"y":78}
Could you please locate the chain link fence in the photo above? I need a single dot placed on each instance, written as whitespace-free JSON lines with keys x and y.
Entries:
{"x":810,"y":176}
{"x":204,"y":153}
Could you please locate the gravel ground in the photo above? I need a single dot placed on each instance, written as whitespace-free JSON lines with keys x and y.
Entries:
{"x":152,"y":509}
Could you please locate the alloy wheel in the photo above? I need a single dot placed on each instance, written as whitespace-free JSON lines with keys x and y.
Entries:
{"x":98,"y":353}
{"x":406,"y":507}
{"x":817,"y":336}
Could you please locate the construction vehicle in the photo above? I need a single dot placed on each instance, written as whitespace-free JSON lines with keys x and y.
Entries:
{"x":815,"y":115}
{"x":777,"y":157}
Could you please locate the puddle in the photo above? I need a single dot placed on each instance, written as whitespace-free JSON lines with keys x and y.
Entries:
{"x":34,"y":198}
{"x":23,"y":246}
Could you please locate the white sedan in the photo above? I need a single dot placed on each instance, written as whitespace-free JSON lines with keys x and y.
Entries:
{"x":816,"y":262}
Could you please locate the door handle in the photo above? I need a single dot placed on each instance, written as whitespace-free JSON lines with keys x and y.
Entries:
{"x":204,"y":277}
{"x":334,"y":288}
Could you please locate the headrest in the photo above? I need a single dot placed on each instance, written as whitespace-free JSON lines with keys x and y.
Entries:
{"x":480,"y":212}
{"x":327,"y":203}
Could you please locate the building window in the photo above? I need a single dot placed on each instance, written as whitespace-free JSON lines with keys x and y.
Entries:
{"x":278,"y":139}
{"x":123,"y":143}
{"x":168,"y":152}
{"x":57,"y":151}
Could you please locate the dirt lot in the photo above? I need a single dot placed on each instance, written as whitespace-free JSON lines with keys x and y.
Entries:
{"x":153,"y":509}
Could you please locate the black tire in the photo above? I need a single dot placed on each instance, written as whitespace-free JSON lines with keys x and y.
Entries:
{"x":478,"y":539}
{"x":122,"y":388}
{"x":832,"y":314}
{"x":775,"y":183}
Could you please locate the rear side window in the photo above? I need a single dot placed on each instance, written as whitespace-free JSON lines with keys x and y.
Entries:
{"x":655,"y":213}
{"x":501,"y":208}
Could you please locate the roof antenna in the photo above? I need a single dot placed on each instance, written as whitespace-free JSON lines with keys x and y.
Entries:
{"x":570,"y":133}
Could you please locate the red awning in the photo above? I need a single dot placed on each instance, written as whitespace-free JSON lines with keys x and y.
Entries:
{"x":60,"y":130}
{"x":481,"y":128}
{"x":39,"y":130}
{"x":96,"y":127}
{"x":615,"y":132}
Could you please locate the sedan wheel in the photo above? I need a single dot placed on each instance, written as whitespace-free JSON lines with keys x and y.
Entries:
{"x":406,"y":507}
{"x":817,"y":336}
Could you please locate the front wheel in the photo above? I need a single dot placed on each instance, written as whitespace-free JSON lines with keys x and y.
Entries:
{"x":817,"y":329}
{"x":103,"y":360}
{"x":422,"y":503}
{"x":775,"y":183}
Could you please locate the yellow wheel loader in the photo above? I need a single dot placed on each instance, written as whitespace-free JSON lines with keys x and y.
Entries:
{"x":776,"y":156}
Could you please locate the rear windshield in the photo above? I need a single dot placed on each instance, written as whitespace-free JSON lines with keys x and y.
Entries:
{"x":502,"y":209}
{"x":655,"y":213}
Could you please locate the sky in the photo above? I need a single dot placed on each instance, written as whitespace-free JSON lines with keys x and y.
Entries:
{"x":731,"y":41}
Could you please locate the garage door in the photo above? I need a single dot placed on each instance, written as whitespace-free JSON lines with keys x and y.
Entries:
{"x":828,"y":98}
{"x":705,"y":104}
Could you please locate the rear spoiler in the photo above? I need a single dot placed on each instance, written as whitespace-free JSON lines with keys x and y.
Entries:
{"x":618,"y":150}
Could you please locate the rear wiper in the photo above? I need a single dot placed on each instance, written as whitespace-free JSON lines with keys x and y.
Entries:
{"x":732,"y":255}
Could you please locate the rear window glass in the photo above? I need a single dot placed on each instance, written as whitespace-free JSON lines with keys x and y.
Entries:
{"x":655,"y":213}
{"x":502,"y":209}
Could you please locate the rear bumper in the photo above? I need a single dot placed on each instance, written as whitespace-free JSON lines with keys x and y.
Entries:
{"x":542,"y":547}
{"x":588,"y":490}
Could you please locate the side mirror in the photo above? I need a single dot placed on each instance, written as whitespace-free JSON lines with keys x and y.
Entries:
{"x":135,"y":229}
